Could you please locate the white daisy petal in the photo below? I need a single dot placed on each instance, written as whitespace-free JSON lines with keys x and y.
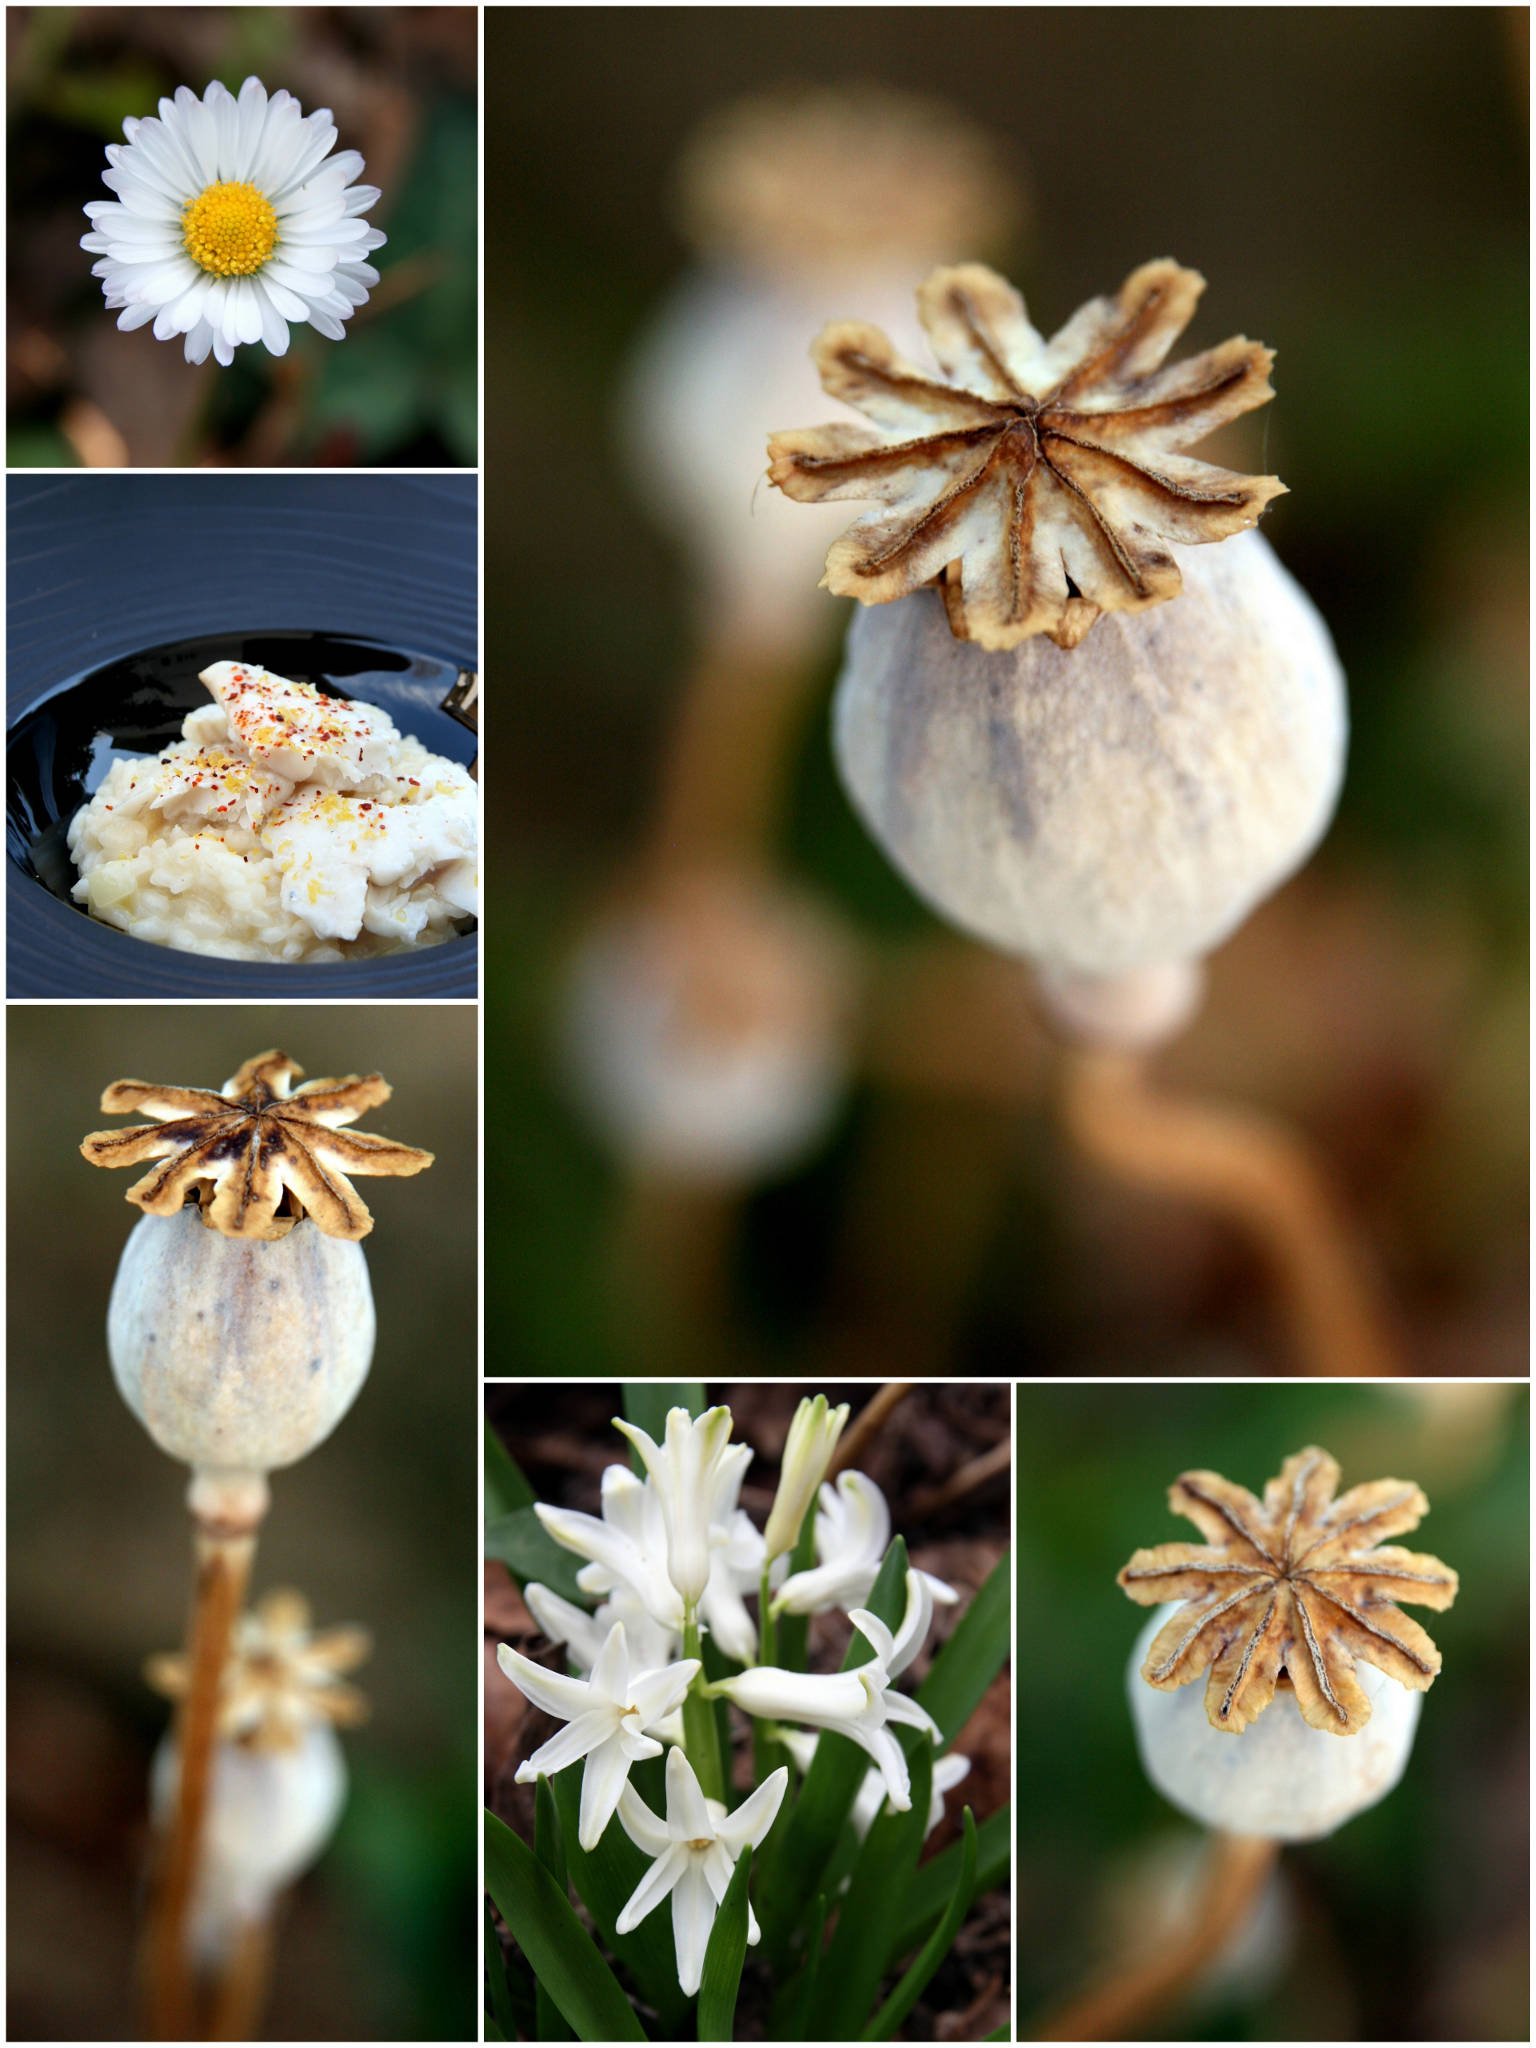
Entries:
{"x":297,"y":257}
{"x":319,"y":140}
{"x":226,"y":127}
{"x":311,"y":218}
{"x":250,"y":120}
{"x":328,"y":321}
{"x":274,"y":328}
{"x":198,"y":343}
{"x":280,"y":139}
{"x":183,"y":314}
{"x":141,"y":257}
{"x":135,"y":316}
{"x":325,"y":188}
{"x":175,"y":133}
{"x":307,"y":284}
{"x":161,"y":154}
{"x":198,"y":133}
{"x":242,"y":320}
{"x":157,"y":285}
{"x":346,"y":165}
{"x":141,"y":198}
{"x":223,"y":351}
{"x":287,"y":302}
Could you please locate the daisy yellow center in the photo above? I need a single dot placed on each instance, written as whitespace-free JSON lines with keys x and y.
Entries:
{"x":229,"y":229}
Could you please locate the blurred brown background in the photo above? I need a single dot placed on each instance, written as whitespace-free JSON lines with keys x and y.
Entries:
{"x":1353,"y":183}
{"x":377,"y":1526}
{"x":400,"y":389}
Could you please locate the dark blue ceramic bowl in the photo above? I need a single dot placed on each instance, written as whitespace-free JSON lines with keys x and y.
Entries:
{"x":167,"y":552}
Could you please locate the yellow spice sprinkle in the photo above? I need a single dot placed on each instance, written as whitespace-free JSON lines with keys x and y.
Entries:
{"x":229,"y":229}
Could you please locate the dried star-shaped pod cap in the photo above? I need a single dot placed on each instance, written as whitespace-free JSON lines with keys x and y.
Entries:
{"x":259,"y":1156}
{"x":1294,"y":1587}
{"x":1040,"y":485}
{"x":282,"y":1676}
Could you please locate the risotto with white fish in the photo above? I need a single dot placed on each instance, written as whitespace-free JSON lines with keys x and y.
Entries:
{"x":283,"y":825}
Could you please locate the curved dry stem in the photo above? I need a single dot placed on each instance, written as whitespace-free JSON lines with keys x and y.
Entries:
{"x":223,"y":1563}
{"x":727,"y":758}
{"x":1253,"y":1172}
{"x":1120,"y":2008}
{"x":866,"y":1425}
{"x":241,"y":1989}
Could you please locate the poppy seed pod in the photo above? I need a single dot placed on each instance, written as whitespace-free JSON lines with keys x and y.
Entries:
{"x":239,"y":1355}
{"x":1111,"y":807}
{"x":1280,"y":1778}
{"x":270,"y":1814}
{"x":706,"y":1026}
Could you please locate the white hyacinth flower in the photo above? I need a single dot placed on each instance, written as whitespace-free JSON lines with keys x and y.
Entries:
{"x":625,"y":1546}
{"x":231,"y":221}
{"x":736,"y":1567}
{"x":696,"y":1849}
{"x":853,"y":1533}
{"x":860,"y":1703}
{"x":608,"y":1712}
{"x":948,"y":1772}
{"x":813,"y":1436}
{"x":583,"y":1634}
{"x":694,"y":1469}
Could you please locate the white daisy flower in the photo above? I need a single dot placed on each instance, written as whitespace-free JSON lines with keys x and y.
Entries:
{"x":231,"y":220}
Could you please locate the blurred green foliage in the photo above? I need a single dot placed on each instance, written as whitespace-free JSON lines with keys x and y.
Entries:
{"x":415,"y":373}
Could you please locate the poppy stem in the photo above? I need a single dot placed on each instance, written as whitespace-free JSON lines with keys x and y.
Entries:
{"x":1122,"y":2007}
{"x":723,"y":776}
{"x":223,"y":1565}
{"x":1255,"y":1173}
{"x":241,"y":1989}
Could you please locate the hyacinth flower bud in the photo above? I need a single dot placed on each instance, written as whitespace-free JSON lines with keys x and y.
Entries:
{"x":692,"y":1470}
{"x":241,"y":1322}
{"x":812,"y":1439}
